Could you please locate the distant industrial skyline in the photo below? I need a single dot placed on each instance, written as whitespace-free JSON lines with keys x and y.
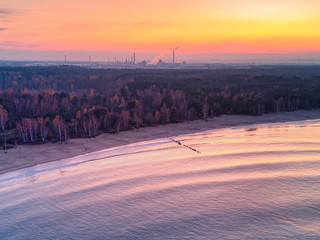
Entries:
{"x":112,"y":56}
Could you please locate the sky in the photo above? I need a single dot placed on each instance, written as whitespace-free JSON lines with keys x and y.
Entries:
{"x":208,"y":27}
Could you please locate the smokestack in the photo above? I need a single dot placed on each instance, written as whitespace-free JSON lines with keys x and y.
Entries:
{"x":65,"y":58}
{"x":173,"y":53}
{"x":134,"y":58}
{"x":89,"y":59}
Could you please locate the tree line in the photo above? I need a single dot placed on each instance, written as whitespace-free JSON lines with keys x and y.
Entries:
{"x":39,"y":115}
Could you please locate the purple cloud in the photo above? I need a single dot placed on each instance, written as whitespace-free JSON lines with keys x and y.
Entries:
{"x":18,"y":44}
{"x":4,"y":12}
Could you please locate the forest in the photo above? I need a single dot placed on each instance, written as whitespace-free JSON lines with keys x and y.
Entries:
{"x":41,"y":104}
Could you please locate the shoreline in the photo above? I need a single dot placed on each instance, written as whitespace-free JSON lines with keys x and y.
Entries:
{"x":30,"y":155}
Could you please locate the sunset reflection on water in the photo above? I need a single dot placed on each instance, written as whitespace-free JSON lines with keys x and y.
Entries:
{"x":255,"y":182}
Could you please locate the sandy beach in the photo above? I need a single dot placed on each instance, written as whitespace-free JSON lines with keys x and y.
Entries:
{"x":30,"y":155}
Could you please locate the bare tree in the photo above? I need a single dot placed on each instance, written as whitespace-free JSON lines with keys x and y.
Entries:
{"x":43,"y":128}
{"x":35,"y":128}
{"x":94,"y":123}
{"x":22,"y":130}
{"x":137,"y":120}
{"x":30,"y":128}
{"x":75,"y":124}
{"x":58,"y":123}
{"x":65,"y":132}
{"x":205,"y":111}
{"x":149,"y":118}
{"x":3,"y":120}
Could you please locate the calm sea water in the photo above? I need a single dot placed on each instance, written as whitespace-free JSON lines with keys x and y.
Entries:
{"x":255,"y":182}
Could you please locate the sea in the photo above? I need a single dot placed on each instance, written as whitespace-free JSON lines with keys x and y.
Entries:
{"x":248,"y":182}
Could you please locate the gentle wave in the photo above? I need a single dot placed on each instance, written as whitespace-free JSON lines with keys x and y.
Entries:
{"x":257,"y":184}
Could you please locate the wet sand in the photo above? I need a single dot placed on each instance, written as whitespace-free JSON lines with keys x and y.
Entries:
{"x":30,"y":155}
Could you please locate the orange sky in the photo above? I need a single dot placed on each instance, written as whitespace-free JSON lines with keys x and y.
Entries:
{"x":197,"y":26}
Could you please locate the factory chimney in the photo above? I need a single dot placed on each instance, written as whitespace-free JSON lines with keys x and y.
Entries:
{"x":173,"y":55}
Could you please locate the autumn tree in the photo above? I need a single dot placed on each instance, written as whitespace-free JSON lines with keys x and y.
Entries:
{"x":165,"y":113}
{"x":122,"y":103}
{"x":156,"y":117}
{"x":114,"y":102}
{"x":125,"y":116}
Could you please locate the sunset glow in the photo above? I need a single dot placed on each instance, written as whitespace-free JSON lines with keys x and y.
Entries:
{"x":202,"y":26}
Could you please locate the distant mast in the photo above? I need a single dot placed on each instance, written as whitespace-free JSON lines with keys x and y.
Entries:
{"x":134,"y":58}
{"x":65,"y":58}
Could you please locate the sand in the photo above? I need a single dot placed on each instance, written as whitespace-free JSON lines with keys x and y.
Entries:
{"x":29,"y":155}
